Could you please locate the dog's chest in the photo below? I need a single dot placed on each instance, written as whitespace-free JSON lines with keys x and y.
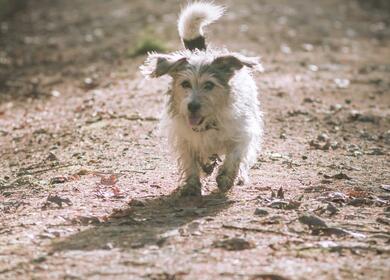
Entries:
{"x":208,"y":142}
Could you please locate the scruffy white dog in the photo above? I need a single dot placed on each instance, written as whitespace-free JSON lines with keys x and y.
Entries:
{"x":213,"y":108}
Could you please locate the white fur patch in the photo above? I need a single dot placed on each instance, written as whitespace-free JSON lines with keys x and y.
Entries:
{"x":195,"y":16}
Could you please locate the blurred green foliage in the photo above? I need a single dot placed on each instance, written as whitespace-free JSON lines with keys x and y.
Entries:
{"x":147,"y":43}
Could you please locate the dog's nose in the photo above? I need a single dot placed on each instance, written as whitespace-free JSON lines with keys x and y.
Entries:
{"x":193,"y":106}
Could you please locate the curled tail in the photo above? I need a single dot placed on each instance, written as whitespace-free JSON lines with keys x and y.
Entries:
{"x":191,"y":21}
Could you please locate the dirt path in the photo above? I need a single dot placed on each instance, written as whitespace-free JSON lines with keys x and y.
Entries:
{"x":78,"y":127}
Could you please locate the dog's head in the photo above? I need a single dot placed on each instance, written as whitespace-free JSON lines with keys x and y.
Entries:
{"x":200,"y":85}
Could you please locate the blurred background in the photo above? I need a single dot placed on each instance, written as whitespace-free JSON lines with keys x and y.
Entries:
{"x":40,"y":40}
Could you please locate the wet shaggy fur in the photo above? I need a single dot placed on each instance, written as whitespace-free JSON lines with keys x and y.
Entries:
{"x":213,"y":110}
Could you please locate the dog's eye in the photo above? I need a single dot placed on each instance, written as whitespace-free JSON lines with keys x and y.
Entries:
{"x":186,"y":84}
{"x":209,"y":85}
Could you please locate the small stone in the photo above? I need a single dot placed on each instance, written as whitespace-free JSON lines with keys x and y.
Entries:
{"x":52,"y":157}
{"x":334,"y":145}
{"x":331,"y":209}
{"x":386,"y":187}
{"x":323,"y":137}
{"x":336,"y":107}
{"x":275,"y":156}
{"x":342,"y":83}
{"x":354,"y":114}
{"x":40,"y":259}
{"x":90,"y":83}
{"x":319,"y":145}
{"x":313,"y":68}
{"x":108,"y":246}
{"x":234,"y":244}
{"x":338,"y":176}
{"x":58,"y":180}
{"x":261,"y":212}
{"x":308,"y":47}
{"x":55,"y":93}
{"x":312,"y":221}
{"x":283,"y":204}
{"x":384,"y":221}
{"x":337,"y":197}
{"x":278,"y":204}
{"x":86,"y":220}
{"x":359,"y":201}
{"x":285,"y":49}
{"x":375,"y":152}
{"x":83,"y":171}
{"x":309,"y":100}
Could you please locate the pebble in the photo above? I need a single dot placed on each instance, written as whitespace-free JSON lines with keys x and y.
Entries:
{"x":312,"y":221}
{"x":55,"y":93}
{"x":234,"y":244}
{"x":323,"y":137}
{"x":313,"y":68}
{"x":285,"y":49}
{"x":261,"y":212}
{"x":52,"y":157}
{"x":308,"y":47}
{"x":386,"y":187}
{"x":342,"y":83}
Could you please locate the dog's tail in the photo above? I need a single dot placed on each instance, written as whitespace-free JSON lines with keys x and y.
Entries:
{"x":191,"y":21}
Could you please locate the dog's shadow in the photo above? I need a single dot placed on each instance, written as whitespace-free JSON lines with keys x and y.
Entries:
{"x":147,"y":222}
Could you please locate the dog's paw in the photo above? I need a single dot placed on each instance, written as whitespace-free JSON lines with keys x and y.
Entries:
{"x":191,"y":189}
{"x":224,"y":182}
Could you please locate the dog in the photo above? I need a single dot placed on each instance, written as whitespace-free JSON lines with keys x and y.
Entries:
{"x":212,"y":109}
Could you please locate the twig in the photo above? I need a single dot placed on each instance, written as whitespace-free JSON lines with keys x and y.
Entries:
{"x":351,"y":248}
{"x":255,"y":229}
{"x":26,"y":172}
{"x":367,"y":231}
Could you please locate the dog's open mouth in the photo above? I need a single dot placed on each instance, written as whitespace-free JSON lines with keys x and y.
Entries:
{"x":195,"y":120}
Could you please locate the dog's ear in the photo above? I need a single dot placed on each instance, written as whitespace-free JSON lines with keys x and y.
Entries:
{"x":157,"y":65}
{"x":226,"y":65}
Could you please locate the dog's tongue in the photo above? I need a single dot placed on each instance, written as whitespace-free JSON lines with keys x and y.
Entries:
{"x":194,"y":120}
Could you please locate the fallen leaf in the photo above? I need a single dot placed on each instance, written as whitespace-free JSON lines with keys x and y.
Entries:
{"x":108,"y":180}
{"x":117,"y":191}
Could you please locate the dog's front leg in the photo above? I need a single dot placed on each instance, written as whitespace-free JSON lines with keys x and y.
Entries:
{"x":190,"y":169}
{"x":229,"y":170}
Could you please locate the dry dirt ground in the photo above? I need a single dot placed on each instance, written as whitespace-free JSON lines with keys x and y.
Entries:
{"x":87,"y":184}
